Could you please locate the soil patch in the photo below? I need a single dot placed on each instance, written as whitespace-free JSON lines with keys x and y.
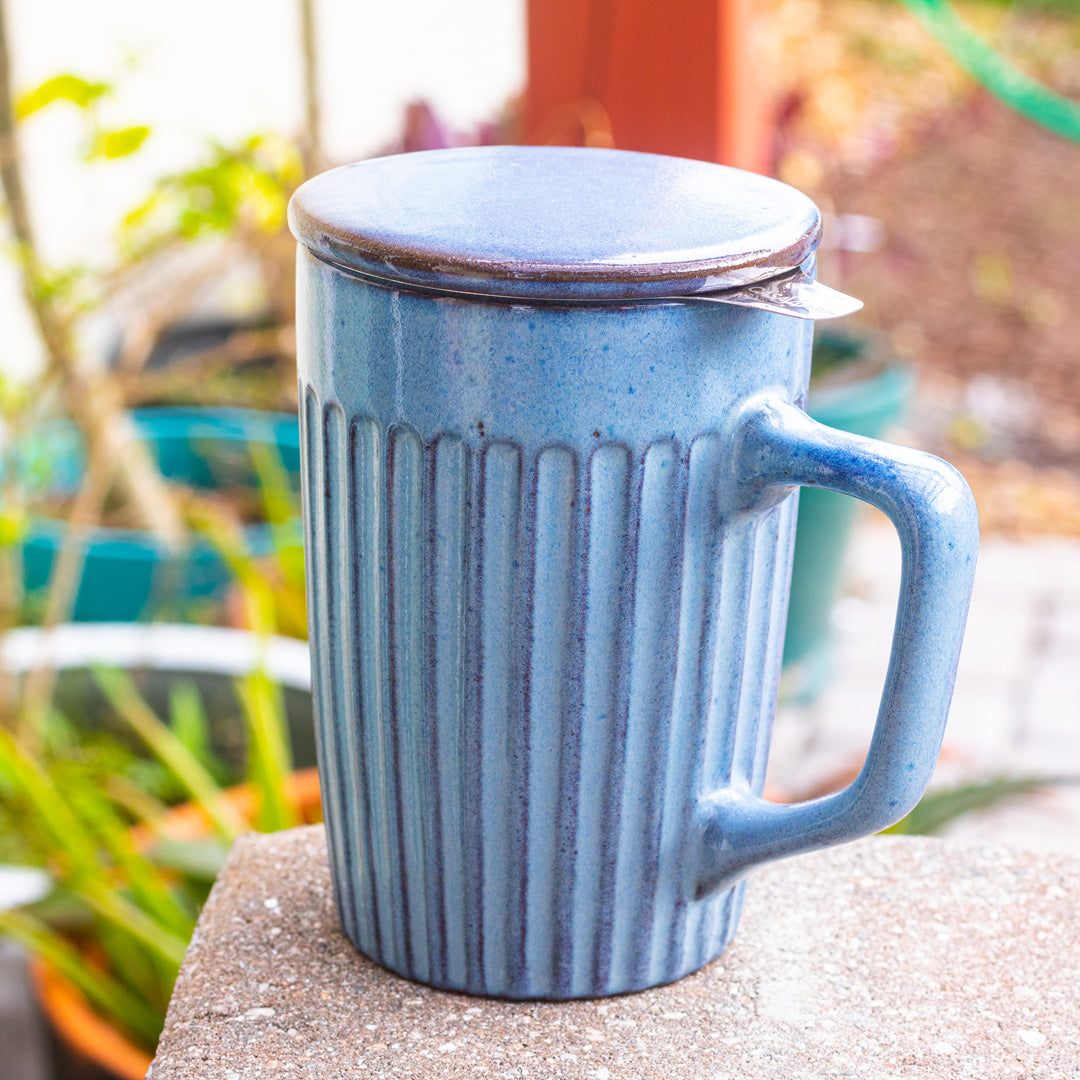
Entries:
{"x":980,"y":258}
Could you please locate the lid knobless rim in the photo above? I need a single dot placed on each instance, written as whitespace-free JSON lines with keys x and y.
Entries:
{"x":408,"y":265}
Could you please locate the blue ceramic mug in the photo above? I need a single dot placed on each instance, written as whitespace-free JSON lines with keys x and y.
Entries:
{"x":552,"y":439}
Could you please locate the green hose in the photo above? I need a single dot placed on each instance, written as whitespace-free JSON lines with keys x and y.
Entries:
{"x":1023,"y":93}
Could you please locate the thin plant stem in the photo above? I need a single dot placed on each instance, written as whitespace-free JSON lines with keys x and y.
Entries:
{"x":11,"y":593}
{"x":91,"y":398}
{"x":242,"y":346}
{"x":309,"y":56}
{"x":63,"y":588}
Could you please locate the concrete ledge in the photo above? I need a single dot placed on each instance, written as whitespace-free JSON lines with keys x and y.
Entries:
{"x":890,"y":958}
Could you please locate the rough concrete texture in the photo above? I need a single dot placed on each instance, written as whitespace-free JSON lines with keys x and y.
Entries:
{"x":890,"y":958}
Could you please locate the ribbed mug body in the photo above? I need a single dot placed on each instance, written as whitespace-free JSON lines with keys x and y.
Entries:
{"x":539,"y":632}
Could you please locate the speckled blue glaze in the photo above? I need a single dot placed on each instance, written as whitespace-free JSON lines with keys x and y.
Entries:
{"x":549,"y":549}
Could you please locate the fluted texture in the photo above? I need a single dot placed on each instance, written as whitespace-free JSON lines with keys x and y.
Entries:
{"x":529,"y":666}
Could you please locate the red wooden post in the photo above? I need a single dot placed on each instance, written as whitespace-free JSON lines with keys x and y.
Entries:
{"x":667,"y":76}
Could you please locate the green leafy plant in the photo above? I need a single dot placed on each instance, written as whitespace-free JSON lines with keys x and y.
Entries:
{"x":244,"y":187}
{"x":270,"y":592}
{"x":128,"y":886}
{"x":94,"y":811}
{"x":233,"y":205}
{"x":85,"y":96}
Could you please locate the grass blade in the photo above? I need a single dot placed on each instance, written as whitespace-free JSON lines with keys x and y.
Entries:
{"x":148,"y":885}
{"x":939,"y":808}
{"x":269,"y":757}
{"x":170,"y":751}
{"x":24,"y":777}
{"x":125,"y":915}
{"x":187,"y":719}
{"x":99,"y":988}
{"x":198,"y":860}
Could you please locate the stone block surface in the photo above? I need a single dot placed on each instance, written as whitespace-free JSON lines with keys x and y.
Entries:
{"x":889,"y":959}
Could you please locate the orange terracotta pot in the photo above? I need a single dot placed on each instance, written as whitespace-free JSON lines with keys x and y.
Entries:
{"x":84,"y":1035}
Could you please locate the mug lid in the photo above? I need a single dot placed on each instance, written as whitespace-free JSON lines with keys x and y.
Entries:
{"x":559,"y":223}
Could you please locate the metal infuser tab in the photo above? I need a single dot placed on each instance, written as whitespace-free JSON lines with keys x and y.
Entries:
{"x":796,"y":294}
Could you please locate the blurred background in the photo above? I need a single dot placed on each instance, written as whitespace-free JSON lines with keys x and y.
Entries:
{"x":154,"y":685}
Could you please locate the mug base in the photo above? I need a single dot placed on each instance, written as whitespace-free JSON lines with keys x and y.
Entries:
{"x":511,"y":986}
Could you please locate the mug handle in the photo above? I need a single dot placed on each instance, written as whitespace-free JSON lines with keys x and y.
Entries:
{"x":777,"y":446}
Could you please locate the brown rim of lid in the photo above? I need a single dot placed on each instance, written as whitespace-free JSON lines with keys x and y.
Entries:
{"x":555,"y":222}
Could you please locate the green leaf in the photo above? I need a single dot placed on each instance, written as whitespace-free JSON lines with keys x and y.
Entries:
{"x":241,"y":187}
{"x":26,"y":780}
{"x":937,"y":809}
{"x":141,"y":972}
{"x":100,"y":989}
{"x":269,"y":757}
{"x":60,"y":736}
{"x":136,"y":801}
{"x":79,"y":841}
{"x":187,"y":718}
{"x":228,"y":540}
{"x":279,"y":502}
{"x":119,"y":143}
{"x":148,"y":886}
{"x":198,"y":859}
{"x":79,"y":92}
{"x":128,"y":916}
{"x":125,"y":699}
{"x":13,"y":526}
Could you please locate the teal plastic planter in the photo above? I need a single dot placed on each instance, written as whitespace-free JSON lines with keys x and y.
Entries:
{"x":864,"y":406}
{"x":128,"y":575}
